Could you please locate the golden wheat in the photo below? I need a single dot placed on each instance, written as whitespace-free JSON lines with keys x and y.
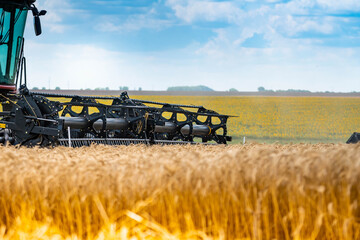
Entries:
{"x":181,"y":192}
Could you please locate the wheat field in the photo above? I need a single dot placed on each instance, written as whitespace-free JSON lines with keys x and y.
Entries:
{"x":278,"y":119}
{"x":285,"y":119}
{"x":250,"y":191}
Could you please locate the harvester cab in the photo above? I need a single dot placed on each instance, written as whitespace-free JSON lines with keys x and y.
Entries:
{"x":34,"y":119}
{"x":12,"y":24}
{"x":13,"y":16}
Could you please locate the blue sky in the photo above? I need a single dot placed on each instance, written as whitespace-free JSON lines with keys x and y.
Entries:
{"x":298,"y":44}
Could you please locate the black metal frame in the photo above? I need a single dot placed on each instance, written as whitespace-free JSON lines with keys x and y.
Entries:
{"x":36,"y":120}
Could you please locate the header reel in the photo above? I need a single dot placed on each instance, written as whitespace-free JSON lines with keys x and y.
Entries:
{"x":37,"y":121}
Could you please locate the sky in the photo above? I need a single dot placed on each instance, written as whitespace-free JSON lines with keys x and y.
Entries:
{"x":155,"y":44}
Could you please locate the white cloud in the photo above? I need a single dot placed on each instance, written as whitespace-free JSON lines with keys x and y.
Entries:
{"x":89,"y":66}
{"x":57,"y":12}
{"x":277,"y":24}
{"x":74,"y":66}
{"x":291,"y":25}
{"x":324,"y":6}
{"x":340,"y":5}
{"x":193,"y":10}
{"x":148,"y":20}
{"x":288,"y":62}
{"x":133,"y":23}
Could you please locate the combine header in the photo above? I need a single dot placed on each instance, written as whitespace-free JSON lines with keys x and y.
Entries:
{"x":33,"y":119}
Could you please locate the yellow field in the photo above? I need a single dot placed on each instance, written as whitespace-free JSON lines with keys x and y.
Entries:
{"x":284,"y":119}
{"x":174,"y":192}
{"x":288,"y":118}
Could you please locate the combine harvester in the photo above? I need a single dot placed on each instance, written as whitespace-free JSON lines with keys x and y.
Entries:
{"x":33,"y":119}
